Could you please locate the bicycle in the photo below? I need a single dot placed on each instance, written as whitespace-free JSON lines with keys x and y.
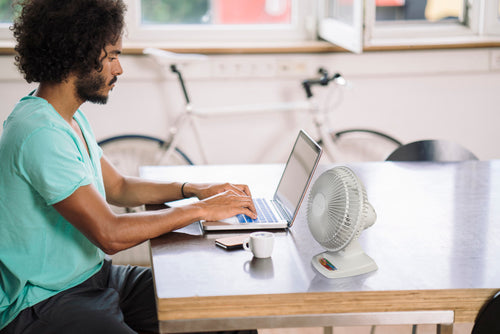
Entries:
{"x":130,"y":151}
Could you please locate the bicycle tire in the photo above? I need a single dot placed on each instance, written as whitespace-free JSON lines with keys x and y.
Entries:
{"x":363,"y":144}
{"x":128,"y":152}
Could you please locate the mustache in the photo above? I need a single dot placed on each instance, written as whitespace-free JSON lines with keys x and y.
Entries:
{"x":115,"y":79}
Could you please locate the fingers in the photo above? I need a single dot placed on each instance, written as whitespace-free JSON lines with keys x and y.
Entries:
{"x":226,"y":199}
{"x":241,"y":190}
{"x":244,"y":189}
{"x":230,"y":203}
{"x":246,"y":202}
{"x":252,"y":209}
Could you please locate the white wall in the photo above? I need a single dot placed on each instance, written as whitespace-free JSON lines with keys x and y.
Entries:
{"x":448,"y":94}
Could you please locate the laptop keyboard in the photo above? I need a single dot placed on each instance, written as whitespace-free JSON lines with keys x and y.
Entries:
{"x":264,"y":213}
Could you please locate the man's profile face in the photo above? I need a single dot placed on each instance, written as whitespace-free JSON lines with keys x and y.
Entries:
{"x":95,"y":86}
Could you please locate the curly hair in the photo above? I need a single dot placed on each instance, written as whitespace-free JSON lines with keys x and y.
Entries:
{"x":59,"y":37}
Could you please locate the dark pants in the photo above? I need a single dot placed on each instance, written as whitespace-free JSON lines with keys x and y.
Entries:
{"x":118,"y":299}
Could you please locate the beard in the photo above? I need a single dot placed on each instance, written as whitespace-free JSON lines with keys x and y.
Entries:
{"x":89,"y":88}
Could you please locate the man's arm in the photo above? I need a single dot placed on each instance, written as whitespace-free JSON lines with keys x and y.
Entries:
{"x":89,"y":212}
{"x":132,"y":191}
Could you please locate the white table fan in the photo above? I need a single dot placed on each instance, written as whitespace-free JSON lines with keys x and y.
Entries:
{"x":337,"y":212}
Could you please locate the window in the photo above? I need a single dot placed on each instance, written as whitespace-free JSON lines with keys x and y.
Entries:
{"x":6,"y":15}
{"x":218,"y":20}
{"x":216,"y":12}
{"x":418,"y":10}
{"x":409,"y":22}
{"x":342,"y":23}
{"x":6,"y":11}
{"x":352,"y":24}
{"x":492,"y":17}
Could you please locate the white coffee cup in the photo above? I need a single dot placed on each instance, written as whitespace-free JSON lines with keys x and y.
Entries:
{"x":260,"y":244}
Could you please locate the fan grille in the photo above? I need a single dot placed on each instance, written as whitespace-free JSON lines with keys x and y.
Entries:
{"x":337,"y":208}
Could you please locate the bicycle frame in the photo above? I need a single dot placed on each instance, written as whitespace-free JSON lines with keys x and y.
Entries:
{"x":190,"y":114}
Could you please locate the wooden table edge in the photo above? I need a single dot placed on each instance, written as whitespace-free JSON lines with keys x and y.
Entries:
{"x":464,"y":302}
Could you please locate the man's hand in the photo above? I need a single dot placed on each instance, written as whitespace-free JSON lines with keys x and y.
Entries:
{"x":228,"y":203}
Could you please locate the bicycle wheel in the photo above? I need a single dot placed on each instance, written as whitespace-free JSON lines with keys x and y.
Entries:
{"x":129,"y":152}
{"x":364,"y":144}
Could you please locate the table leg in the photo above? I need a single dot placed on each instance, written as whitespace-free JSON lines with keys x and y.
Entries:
{"x":444,"y":329}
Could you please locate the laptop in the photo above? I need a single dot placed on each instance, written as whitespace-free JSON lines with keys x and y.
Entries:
{"x":280,"y":211}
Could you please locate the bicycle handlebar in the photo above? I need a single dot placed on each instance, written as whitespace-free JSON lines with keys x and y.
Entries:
{"x":324,"y":80}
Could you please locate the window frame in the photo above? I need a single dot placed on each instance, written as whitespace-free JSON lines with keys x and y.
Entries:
{"x":311,"y":32}
{"x":491,"y":18}
{"x":410,"y":33}
{"x":340,"y":33}
{"x":299,"y":30}
{"x":5,"y":33}
{"x":480,"y":26}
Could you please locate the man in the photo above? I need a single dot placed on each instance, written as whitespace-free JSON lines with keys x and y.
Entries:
{"x":55,"y":223}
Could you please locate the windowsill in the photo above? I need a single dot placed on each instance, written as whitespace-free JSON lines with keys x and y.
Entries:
{"x":236,"y":48}
{"x":7,"y":47}
{"x":426,"y":43}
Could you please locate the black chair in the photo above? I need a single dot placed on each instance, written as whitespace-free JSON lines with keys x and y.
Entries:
{"x":488,"y":318}
{"x":431,"y":150}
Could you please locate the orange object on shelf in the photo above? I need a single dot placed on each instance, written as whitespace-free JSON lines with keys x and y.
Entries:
{"x":389,"y":3}
{"x":252,"y":11}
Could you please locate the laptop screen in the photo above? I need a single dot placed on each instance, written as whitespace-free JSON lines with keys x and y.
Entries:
{"x":298,"y":173}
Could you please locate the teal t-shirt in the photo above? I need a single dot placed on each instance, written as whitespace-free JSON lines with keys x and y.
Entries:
{"x":42,"y":161}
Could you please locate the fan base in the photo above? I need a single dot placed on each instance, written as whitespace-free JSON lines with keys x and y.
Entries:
{"x":341,"y":264}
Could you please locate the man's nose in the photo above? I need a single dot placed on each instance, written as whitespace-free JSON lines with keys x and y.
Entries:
{"x":117,"y":68}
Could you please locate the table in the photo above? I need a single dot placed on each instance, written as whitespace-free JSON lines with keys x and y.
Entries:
{"x":436,"y":242}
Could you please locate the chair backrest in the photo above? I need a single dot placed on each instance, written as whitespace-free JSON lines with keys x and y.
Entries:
{"x":431,"y":150}
{"x":487,"y":320}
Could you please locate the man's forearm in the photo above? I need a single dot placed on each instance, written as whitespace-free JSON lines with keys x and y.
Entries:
{"x":136,"y":191}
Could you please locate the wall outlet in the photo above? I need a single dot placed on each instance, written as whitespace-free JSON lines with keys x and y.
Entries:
{"x":292,"y":67}
{"x":243,"y":68}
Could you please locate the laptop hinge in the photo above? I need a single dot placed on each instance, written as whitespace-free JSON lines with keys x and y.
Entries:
{"x":282,"y":210}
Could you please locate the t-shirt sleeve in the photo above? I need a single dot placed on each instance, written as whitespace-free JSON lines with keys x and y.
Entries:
{"x":52,"y":162}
